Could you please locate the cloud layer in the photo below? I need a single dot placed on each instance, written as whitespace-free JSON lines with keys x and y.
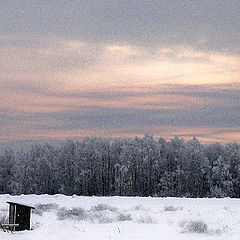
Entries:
{"x":120,"y":68}
{"x":205,"y":25}
{"x":205,"y":111}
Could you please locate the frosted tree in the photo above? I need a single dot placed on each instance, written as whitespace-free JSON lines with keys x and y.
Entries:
{"x":6,"y":171}
{"x":128,"y":167}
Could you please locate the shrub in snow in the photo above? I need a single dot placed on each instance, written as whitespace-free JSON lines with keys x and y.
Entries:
{"x":145,"y":219}
{"x":3,"y":218}
{"x":35,"y":225}
{"x":75,"y":213}
{"x":47,"y":206}
{"x":124,"y":217}
{"x":170,"y":208}
{"x":194,"y":227}
{"x":103,"y":207}
{"x":138,"y":207}
{"x":219,"y":230}
{"x":40,"y":208}
{"x":101,"y":217}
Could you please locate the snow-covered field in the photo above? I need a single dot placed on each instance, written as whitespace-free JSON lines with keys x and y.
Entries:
{"x":62,"y":217}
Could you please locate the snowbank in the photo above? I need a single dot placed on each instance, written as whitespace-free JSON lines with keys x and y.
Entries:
{"x":75,"y":217}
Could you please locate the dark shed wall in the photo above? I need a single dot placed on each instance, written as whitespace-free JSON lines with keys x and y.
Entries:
{"x":20,"y":214}
{"x":23,"y":218}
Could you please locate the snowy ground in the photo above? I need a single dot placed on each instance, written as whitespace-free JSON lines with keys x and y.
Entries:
{"x":127,"y":218}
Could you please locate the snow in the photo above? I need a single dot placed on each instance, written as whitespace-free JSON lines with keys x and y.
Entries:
{"x":145,"y":218}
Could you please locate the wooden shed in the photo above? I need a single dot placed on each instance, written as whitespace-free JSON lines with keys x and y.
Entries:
{"x":20,"y":214}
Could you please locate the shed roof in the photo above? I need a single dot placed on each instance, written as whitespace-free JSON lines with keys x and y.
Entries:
{"x":21,"y":204}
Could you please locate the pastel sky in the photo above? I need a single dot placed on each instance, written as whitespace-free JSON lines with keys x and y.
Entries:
{"x":120,"y":68}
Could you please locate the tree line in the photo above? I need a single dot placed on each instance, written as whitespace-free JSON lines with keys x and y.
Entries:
{"x":124,"y":167}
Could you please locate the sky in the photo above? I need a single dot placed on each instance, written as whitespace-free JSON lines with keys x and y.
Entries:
{"x":120,"y":68}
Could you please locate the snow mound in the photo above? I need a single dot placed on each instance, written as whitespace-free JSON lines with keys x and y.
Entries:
{"x":127,"y":218}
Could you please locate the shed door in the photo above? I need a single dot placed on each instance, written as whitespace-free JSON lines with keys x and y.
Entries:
{"x":23,"y":218}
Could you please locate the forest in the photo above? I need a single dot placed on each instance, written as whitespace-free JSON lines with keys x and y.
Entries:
{"x":124,"y":167}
